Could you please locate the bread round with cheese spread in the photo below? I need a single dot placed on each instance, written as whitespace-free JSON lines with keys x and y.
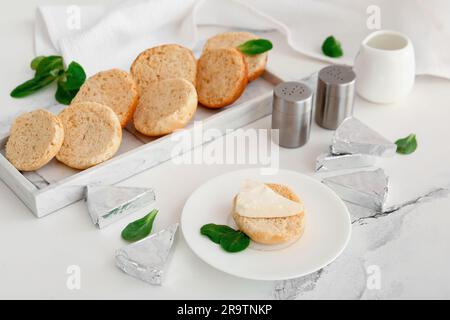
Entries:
{"x":273,"y":230}
{"x":35,"y":139}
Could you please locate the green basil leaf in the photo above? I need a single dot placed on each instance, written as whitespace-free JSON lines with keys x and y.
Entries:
{"x":235,"y":241}
{"x":52,"y":65}
{"x":32,"y":86}
{"x":215,"y":232}
{"x":256,"y":46}
{"x":47,"y":69}
{"x":69,"y":83}
{"x":75,"y":76}
{"x":35,"y":62}
{"x":332,"y":48}
{"x":139,"y":229}
{"x":64,"y":95}
{"x":407,"y":145}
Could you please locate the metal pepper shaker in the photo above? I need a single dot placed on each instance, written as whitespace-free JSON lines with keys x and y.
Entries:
{"x":334,"y":96}
{"x":292,"y":113}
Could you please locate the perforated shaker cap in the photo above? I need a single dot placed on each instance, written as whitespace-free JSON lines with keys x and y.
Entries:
{"x":334,"y":95}
{"x":292,"y":98}
{"x":338,"y":79}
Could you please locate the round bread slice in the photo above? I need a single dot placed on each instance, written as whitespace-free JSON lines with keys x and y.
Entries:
{"x":113,"y":88}
{"x":92,"y":134}
{"x":164,"y":62}
{"x":165,"y":106}
{"x":35,"y":139}
{"x":273,"y":230}
{"x":256,"y":63}
{"x":221,"y":77}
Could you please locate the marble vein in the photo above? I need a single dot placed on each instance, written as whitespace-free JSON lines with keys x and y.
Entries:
{"x":429,"y":196}
{"x":36,"y":179}
{"x":288,"y":289}
{"x":372,"y":232}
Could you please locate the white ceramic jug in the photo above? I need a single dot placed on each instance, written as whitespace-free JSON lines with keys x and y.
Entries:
{"x":385,"y":67}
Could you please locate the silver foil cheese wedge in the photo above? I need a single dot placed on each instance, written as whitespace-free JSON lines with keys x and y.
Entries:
{"x":358,"y":213}
{"x":107,"y":204}
{"x":353,"y":136}
{"x":147,"y":258}
{"x":364,"y":188}
{"x":328,"y":162}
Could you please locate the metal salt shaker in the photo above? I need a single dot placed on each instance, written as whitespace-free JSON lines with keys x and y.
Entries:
{"x":334,"y":96}
{"x":292,"y":113}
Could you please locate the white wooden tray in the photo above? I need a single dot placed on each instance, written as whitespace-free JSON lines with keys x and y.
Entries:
{"x":55,"y":185}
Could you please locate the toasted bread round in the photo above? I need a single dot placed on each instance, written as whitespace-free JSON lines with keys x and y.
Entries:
{"x":35,"y":139}
{"x":221,"y":77}
{"x":165,"y":106}
{"x":92,"y":134}
{"x":164,"y":62}
{"x":273,"y":230}
{"x":113,"y":88}
{"x":256,"y":64}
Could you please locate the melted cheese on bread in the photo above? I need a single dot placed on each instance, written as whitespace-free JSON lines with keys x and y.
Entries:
{"x":257,"y":200}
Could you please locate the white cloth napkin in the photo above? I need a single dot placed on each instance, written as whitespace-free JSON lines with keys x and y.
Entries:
{"x":112,"y":36}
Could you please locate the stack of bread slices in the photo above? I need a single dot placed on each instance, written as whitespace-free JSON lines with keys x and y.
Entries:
{"x":159,"y":96}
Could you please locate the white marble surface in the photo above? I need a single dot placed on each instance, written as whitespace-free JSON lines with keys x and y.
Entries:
{"x":409,"y":247}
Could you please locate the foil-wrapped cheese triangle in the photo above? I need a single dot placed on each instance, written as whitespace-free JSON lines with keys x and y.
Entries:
{"x":147,"y":258}
{"x":353,"y":137}
{"x":364,"y":188}
{"x":107,"y":204}
{"x":328,"y":162}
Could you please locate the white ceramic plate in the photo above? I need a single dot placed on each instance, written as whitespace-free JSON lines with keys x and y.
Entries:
{"x":327,"y":228}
